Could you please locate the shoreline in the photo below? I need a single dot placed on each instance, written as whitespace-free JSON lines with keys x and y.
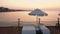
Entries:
{"x":14,"y":30}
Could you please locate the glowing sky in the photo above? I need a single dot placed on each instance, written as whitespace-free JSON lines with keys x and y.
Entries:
{"x":28,"y":4}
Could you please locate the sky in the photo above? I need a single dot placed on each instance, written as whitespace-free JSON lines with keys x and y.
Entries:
{"x":31,"y":4}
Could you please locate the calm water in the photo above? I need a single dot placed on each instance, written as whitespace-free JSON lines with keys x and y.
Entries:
{"x":10,"y":18}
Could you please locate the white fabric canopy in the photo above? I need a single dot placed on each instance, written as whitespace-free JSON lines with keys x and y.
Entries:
{"x":38,"y":12}
{"x":59,"y":14}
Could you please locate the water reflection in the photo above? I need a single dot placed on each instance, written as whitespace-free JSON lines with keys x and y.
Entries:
{"x":10,"y":18}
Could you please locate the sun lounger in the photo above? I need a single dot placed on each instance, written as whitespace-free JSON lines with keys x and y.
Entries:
{"x":44,"y":29}
{"x":28,"y":29}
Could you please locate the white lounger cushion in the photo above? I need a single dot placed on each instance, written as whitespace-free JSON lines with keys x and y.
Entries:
{"x":44,"y":29}
{"x":28,"y":30}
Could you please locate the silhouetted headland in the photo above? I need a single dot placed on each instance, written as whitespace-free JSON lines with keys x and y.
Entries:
{"x":3,"y":9}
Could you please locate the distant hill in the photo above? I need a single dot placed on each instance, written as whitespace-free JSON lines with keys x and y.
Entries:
{"x":3,"y":9}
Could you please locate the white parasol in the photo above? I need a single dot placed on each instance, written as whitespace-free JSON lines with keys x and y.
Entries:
{"x":38,"y":12}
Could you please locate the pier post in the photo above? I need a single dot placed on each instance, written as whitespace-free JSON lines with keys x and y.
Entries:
{"x":58,"y":22}
{"x":18,"y":22}
{"x":18,"y":25}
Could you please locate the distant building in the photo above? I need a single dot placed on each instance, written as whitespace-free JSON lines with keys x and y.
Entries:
{"x":3,"y":9}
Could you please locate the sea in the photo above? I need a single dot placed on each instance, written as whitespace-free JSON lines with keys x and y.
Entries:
{"x":11,"y":18}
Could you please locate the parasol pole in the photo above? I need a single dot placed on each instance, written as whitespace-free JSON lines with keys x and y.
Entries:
{"x":39,"y":20}
{"x":36,"y":18}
